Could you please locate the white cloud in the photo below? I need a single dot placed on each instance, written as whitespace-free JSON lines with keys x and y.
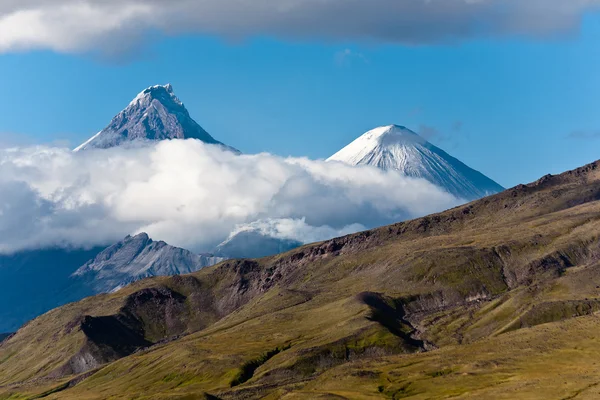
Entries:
{"x":193,"y":195}
{"x":295,"y":229}
{"x":116,"y":26}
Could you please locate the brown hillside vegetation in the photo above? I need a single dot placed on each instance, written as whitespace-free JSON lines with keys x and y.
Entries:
{"x":496,"y":299}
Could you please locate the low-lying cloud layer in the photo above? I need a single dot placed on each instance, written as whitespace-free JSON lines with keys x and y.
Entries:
{"x":193,"y":195}
{"x":295,"y":229}
{"x":116,"y":26}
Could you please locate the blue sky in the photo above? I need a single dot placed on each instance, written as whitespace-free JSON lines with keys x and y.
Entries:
{"x":512,"y":107}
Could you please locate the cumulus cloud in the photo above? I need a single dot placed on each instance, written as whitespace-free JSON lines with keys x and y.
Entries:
{"x":193,"y":195}
{"x":118,"y":25}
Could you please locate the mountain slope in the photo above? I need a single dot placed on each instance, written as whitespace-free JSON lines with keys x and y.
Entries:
{"x":135,"y":258}
{"x":155,"y":114}
{"x":33,"y":282}
{"x":398,"y":148}
{"x":352,"y":317}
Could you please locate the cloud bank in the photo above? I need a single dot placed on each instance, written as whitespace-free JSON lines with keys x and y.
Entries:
{"x":117,"y":26}
{"x":193,"y":195}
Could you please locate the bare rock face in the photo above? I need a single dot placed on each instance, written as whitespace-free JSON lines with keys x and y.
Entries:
{"x":155,"y":114}
{"x":138,"y":257}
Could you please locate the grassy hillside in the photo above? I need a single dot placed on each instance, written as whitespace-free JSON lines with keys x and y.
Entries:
{"x":479,"y":301}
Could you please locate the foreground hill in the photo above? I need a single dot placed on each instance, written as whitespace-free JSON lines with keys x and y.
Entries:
{"x":478,"y":302}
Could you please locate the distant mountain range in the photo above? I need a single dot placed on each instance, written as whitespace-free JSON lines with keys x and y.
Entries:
{"x":398,"y":148}
{"x":44,"y":279}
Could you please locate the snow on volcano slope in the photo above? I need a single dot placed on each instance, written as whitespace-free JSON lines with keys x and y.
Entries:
{"x":398,"y":148}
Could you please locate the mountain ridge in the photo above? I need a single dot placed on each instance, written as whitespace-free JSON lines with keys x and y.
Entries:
{"x":138,"y":257}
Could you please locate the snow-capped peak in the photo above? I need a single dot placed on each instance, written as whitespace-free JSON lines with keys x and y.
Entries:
{"x":393,"y":133}
{"x":388,"y":136}
{"x":157,"y":92}
{"x":154,"y":114}
{"x":385,"y":147}
{"x":396,"y":147}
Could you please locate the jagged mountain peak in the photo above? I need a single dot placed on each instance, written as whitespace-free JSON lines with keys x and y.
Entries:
{"x":137,"y":257}
{"x":158,"y":88}
{"x":162,"y":93}
{"x":154,"y":114}
{"x":139,"y":236}
{"x":395,"y":147}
